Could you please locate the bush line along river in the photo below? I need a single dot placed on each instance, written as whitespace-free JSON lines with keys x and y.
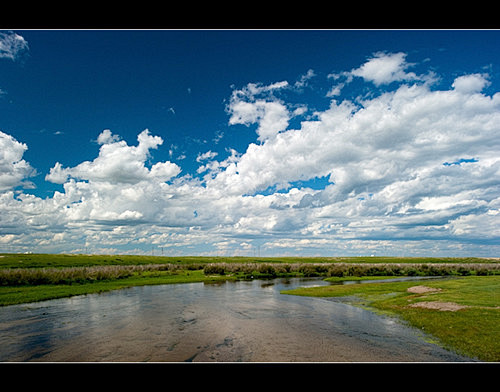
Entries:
{"x":460,"y":309}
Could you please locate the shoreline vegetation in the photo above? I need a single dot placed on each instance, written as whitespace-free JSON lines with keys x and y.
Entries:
{"x":37,"y":277}
{"x":472,"y":285}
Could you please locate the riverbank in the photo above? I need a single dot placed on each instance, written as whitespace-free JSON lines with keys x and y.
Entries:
{"x":37,"y":277}
{"x":12,"y":295}
{"x":461,"y":313}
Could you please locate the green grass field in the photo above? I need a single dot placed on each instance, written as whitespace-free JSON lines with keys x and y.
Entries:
{"x":14,"y":260}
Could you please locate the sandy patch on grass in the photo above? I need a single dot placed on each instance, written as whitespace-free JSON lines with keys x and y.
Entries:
{"x":437,"y":305}
{"x":422,"y":289}
{"x":443,"y":306}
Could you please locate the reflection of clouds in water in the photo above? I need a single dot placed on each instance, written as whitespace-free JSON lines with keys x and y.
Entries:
{"x":233,"y":321}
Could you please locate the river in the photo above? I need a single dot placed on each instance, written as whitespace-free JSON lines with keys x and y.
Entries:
{"x":244,"y":321}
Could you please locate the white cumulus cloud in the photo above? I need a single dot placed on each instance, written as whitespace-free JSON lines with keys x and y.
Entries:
{"x":385,"y":68}
{"x":470,"y":83}
{"x":257,"y":104}
{"x":118,"y":162}
{"x":13,"y":169}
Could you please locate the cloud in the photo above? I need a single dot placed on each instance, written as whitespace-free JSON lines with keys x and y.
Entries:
{"x":118,"y":163}
{"x":302,"y":82}
{"x":12,"y":46}
{"x":386,"y":159}
{"x":256,"y":103}
{"x":470,"y":83}
{"x":413,"y":167}
{"x":206,"y":156}
{"x":272,"y":116}
{"x":13,"y":169}
{"x":106,"y":137}
{"x":385,"y":68}
{"x":335,"y":90}
{"x":117,"y":187}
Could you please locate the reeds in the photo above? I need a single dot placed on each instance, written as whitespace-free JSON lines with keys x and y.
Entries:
{"x":71,"y":275}
{"x":350,"y":269}
{"x":75,"y":275}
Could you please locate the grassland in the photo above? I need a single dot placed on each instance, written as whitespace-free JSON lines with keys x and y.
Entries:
{"x":15,"y":260}
{"x":36,"y":277}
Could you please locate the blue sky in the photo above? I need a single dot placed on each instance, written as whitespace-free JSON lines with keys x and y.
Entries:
{"x":292,"y":142}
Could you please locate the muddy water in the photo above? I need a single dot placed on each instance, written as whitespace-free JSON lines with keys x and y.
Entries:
{"x":231,"y":322}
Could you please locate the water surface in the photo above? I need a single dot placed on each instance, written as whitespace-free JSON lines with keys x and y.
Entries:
{"x":247,"y":321}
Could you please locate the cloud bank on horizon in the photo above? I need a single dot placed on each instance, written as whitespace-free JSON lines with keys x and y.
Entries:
{"x":408,"y":170}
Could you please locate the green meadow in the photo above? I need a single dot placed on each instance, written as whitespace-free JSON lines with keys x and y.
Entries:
{"x":16,"y":260}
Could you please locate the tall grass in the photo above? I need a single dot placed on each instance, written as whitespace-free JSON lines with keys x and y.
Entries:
{"x":349,"y":269}
{"x":71,"y":275}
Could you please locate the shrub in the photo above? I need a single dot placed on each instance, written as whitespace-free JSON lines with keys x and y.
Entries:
{"x":336,"y":270}
{"x":482,"y":272}
{"x":267,"y":270}
{"x":464,"y":271}
{"x":355,"y":270}
{"x":211,"y":269}
{"x":309,"y":270}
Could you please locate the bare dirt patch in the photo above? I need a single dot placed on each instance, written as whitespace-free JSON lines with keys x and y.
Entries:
{"x":437,"y":305}
{"x":422,"y":290}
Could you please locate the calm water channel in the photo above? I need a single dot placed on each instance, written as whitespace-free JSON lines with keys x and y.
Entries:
{"x":247,"y":321}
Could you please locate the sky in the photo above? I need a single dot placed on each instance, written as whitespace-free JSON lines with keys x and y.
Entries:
{"x":250,"y":142}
